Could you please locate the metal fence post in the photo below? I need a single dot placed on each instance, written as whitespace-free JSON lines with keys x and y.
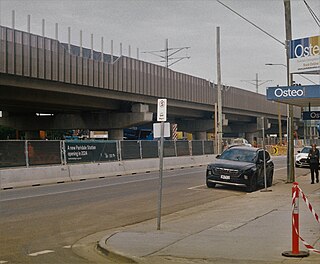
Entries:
{"x":175,"y":147}
{"x":202,"y":147}
{"x":119,"y":150}
{"x":140,"y":148}
{"x":26,"y":151}
{"x":63,"y":152}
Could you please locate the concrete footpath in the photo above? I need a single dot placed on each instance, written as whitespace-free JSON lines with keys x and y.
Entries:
{"x":253,"y":228}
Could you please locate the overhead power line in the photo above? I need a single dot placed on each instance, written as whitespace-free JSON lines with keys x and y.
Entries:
{"x":253,"y":24}
{"x":313,"y":14}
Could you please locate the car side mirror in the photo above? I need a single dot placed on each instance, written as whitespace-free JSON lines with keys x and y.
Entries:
{"x":218,"y":156}
{"x":299,"y":151}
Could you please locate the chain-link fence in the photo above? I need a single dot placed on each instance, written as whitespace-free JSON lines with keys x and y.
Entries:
{"x":44,"y":152}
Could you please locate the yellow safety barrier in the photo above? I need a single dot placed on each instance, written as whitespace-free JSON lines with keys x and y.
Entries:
{"x":276,"y":150}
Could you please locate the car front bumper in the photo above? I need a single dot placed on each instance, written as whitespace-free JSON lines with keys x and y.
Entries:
{"x":238,"y":180}
{"x":302,"y":163}
{"x":227,"y":183}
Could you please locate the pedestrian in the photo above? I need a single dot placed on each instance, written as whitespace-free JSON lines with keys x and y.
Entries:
{"x":314,"y":162}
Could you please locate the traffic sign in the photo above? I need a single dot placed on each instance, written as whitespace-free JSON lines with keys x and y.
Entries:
{"x":162,"y":110}
{"x":157,"y":130}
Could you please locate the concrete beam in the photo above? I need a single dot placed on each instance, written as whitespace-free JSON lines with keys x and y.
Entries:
{"x":195,"y":125}
{"x":243,"y":128}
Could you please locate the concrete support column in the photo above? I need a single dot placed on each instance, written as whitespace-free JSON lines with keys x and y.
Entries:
{"x":32,"y":134}
{"x":200,"y":135}
{"x":115,"y":134}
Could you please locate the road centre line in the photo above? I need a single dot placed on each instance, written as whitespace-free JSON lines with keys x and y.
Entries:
{"x":94,"y":187}
{"x":40,"y":253}
{"x":69,"y":246}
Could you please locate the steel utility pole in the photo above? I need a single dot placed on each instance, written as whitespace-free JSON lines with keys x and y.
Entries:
{"x":219,"y":130}
{"x":290,"y":153}
{"x":256,"y":82}
{"x":168,"y":54}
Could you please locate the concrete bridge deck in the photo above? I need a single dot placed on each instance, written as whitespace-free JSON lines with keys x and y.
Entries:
{"x":41,"y":75}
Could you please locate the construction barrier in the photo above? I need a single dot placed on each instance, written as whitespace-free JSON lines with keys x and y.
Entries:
{"x":29,"y":153}
{"x":276,"y":150}
{"x":296,"y":190}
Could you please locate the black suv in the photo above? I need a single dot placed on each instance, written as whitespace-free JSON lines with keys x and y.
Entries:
{"x":240,"y":166}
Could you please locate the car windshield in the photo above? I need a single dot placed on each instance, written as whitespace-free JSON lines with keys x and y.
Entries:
{"x":305,"y":150}
{"x":245,"y":155}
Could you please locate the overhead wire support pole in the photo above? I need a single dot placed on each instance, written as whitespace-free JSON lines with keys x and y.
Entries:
{"x":257,"y":82}
{"x":167,"y":55}
{"x":219,"y":123}
{"x":290,"y":160}
{"x":290,"y":153}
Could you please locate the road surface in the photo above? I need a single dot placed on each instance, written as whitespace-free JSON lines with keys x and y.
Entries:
{"x":41,"y":224}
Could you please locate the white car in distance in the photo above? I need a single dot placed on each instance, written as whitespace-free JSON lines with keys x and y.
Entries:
{"x":302,"y":157}
{"x":240,"y":141}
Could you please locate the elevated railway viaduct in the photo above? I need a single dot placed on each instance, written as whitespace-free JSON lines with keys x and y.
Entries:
{"x":83,"y":89}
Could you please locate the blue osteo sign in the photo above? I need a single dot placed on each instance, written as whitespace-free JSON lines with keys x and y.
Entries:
{"x":293,"y":92}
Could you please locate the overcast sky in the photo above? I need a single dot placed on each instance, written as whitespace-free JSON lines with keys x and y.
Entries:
{"x":145,"y":24}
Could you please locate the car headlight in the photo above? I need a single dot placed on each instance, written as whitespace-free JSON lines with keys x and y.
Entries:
{"x":246,"y":173}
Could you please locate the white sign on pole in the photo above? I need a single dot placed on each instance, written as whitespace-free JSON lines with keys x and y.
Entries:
{"x":157,"y":130}
{"x":162,"y":110}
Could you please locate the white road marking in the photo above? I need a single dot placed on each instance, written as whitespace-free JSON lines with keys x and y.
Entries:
{"x":3,"y":261}
{"x":67,"y":246}
{"x":195,"y":187}
{"x":40,"y":253}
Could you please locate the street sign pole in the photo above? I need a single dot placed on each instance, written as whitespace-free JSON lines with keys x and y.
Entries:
{"x":162,"y":117}
{"x":264,"y":156}
{"x":160,"y":175}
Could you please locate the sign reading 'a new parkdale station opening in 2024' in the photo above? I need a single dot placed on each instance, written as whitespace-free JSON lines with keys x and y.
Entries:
{"x":305,"y":55}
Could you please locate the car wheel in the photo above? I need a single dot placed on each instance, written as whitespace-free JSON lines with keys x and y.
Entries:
{"x":270,"y":179}
{"x":211,"y":184}
{"x":252,"y":184}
